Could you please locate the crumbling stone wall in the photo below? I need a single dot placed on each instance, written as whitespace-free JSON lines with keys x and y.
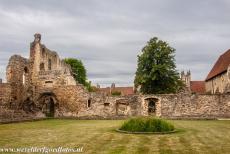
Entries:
{"x":111,"y":107}
{"x":43,"y":80}
{"x":197,"y":106}
{"x":8,"y":112}
{"x":5,"y":94}
{"x":46,"y":66}
{"x":177,"y":106}
{"x":43,"y":85}
{"x":17,"y":75}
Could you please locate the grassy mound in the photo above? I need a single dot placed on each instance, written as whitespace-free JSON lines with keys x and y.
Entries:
{"x":147,"y":125}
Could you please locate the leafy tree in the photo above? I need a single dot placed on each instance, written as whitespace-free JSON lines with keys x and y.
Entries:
{"x":79,"y":71}
{"x":156,"y":71}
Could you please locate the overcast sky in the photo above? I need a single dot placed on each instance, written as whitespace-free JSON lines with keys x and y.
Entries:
{"x":107,"y":35}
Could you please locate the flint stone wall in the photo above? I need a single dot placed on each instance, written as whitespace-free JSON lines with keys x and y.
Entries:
{"x":69,"y":100}
{"x":5,"y":94}
{"x":195,"y":106}
{"x":8,"y":112}
{"x":178,"y":106}
{"x":111,"y":106}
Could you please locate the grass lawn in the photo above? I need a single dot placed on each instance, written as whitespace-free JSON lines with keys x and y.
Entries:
{"x":98,"y":136}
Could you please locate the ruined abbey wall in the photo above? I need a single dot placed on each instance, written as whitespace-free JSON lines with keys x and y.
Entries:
{"x":100,"y":105}
{"x":18,"y":78}
{"x":178,"y":106}
{"x":43,"y":86}
{"x":5,"y":92}
{"x":195,"y":106}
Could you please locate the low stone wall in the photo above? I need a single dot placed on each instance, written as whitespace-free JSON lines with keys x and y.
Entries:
{"x":8,"y":112}
{"x":76,"y":102}
{"x":176,"y":106}
{"x":186,"y":106}
{"x":112,"y":106}
{"x":5,"y":94}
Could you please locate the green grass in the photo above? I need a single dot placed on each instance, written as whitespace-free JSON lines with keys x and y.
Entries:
{"x":147,"y":124}
{"x":98,"y":136}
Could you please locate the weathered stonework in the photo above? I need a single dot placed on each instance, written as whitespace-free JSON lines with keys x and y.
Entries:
{"x":43,"y":86}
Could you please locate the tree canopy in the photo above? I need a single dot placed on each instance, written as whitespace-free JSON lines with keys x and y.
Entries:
{"x":156,"y":71}
{"x":79,"y":71}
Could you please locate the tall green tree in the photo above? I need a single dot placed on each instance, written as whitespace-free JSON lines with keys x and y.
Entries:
{"x":79,"y":71}
{"x":156,"y":71}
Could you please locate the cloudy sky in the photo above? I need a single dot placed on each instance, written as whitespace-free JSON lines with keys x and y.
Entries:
{"x":107,"y":35}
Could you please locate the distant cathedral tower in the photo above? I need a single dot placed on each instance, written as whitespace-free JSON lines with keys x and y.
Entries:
{"x":186,"y":78}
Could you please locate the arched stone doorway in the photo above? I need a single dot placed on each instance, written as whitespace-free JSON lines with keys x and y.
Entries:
{"x":152,"y":106}
{"x":48,"y":103}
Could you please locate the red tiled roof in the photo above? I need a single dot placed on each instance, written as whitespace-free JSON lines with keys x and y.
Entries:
{"x":123,"y":90}
{"x":197,"y":86}
{"x":220,"y":66}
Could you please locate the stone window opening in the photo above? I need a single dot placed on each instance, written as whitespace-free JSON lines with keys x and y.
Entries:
{"x":42,"y":67}
{"x":48,"y":81}
{"x":89,"y":103}
{"x":106,"y":104}
{"x":43,"y":52}
{"x":49,"y":64}
{"x":24,"y":76}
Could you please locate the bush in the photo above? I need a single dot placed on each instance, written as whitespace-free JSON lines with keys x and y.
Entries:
{"x":147,"y":125}
{"x":116,"y":93}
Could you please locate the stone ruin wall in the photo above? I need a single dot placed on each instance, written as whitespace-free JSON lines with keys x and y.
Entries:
{"x":111,"y":107}
{"x":195,"y":106}
{"x":46,"y":66}
{"x":177,"y":106}
{"x":9,"y":111}
{"x":5,"y":92}
{"x":17,"y":75}
{"x":25,"y":79}
{"x":69,"y":100}
{"x":28,"y":87}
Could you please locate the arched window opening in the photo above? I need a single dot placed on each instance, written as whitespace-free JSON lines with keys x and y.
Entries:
{"x":42,"y":67}
{"x":25,"y":75}
{"x":89,"y":103}
{"x":43,"y":52}
{"x":49,"y":64}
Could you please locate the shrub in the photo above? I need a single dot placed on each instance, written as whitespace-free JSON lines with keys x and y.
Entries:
{"x":116,"y":93}
{"x":147,"y":125}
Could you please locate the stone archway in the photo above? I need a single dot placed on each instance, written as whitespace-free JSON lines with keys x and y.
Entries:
{"x":152,"y":106}
{"x":48,"y":103}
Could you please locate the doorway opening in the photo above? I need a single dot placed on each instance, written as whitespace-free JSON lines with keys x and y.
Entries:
{"x":151,"y":103}
{"x":48,"y":103}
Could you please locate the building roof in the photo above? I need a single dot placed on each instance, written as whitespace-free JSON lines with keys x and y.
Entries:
{"x":220,"y":66}
{"x":123,"y":90}
{"x":197,"y":86}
